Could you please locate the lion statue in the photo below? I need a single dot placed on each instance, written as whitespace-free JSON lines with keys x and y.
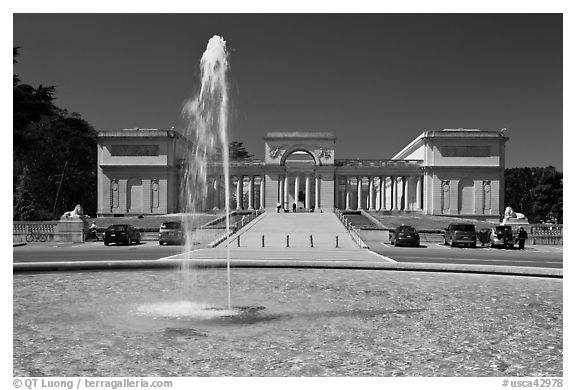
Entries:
{"x":77,"y":213}
{"x":510,"y":216}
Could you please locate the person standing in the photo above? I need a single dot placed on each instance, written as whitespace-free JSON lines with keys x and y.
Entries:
{"x":522,"y":236}
{"x":94,"y":230}
{"x":294,"y":207}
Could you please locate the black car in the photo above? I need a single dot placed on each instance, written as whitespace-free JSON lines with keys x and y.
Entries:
{"x":171,"y":233}
{"x":406,"y":235}
{"x":121,"y":234}
{"x":460,"y":234}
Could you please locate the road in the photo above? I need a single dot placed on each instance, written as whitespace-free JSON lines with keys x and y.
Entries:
{"x":534,"y":256}
{"x":93,"y":251}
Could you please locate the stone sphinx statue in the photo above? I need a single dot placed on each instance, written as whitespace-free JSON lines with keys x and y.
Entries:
{"x":513,"y":218}
{"x":76,"y":214}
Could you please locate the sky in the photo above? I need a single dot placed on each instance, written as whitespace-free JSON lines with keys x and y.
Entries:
{"x":376,"y":81}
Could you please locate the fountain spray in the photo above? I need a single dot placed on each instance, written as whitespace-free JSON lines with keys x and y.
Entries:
{"x":207,"y":127}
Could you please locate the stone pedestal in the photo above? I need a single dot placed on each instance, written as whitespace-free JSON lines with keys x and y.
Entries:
{"x":71,"y":230}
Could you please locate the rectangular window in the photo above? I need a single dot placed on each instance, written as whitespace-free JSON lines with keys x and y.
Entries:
{"x":465,"y":151}
{"x":135,"y":150}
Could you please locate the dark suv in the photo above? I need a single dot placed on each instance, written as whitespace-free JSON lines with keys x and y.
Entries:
{"x":404,"y":235}
{"x":460,"y":234}
{"x":171,"y":233}
{"x":121,"y":234}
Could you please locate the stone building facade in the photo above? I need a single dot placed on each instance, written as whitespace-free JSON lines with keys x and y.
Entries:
{"x":456,"y":172}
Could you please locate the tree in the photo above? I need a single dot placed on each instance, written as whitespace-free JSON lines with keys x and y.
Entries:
{"x":47,"y":138}
{"x":535,"y":192}
{"x":238,"y":152}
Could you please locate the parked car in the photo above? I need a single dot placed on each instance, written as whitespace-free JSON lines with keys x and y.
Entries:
{"x":121,"y":234}
{"x":460,"y":234}
{"x":171,"y":233}
{"x":502,"y":236}
{"x":404,"y":234}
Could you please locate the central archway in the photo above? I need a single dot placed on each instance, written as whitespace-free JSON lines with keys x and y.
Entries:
{"x":300,"y":156}
{"x":299,"y":159}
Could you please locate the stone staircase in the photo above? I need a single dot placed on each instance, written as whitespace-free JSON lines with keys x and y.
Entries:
{"x":293,"y":230}
{"x":275,"y":227}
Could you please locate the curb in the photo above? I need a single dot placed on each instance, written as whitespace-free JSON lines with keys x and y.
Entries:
{"x":297,"y":264}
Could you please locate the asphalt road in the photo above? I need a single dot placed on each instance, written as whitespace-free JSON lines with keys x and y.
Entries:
{"x":533,"y":256}
{"x":93,"y":251}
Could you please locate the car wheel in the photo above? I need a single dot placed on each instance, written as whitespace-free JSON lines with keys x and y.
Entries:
{"x":452,"y":242}
{"x":473,"y":245}
{"x":396,"y":243}
{"x":445,"y":242}
{"x":106,"y":243}
{"x":160,"y":243}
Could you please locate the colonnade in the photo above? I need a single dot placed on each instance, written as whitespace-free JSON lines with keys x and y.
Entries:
{"x":216,"y":192}
{"x":384,"y":193}
{"x":308,"y":181}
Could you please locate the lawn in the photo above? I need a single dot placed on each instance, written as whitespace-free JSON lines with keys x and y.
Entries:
{"x":426,"y":222}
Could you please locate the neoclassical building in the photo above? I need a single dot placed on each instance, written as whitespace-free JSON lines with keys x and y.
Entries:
{"x":456,"y":172}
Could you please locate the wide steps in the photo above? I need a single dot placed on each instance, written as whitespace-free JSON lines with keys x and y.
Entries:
{"x":293,"y":230}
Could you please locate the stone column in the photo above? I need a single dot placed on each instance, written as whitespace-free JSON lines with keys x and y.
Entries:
{"x":239,"y":185}
{"x":393,"y":193}
{"x":371,"y":192}
{"x":216,"y":197}
{"x":382,"y":193}
{"x":347,"y":193}
{"x":251,"y":193}
{"x":296,"y":185}
{"x":419,"y":193}
{"x":359,"y":192}
{"x":405,"y":180}
{"x":399,"y":188}
{"x":281,"y":190}
{"x":262,"y":192}
{"x":307,"y":204}
{"x":317,"y":194}
{"x":285,"y":204}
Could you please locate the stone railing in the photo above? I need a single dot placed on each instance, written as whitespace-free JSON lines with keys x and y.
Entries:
{"x":546,"y":234}
{"x":351,"y":230}
{"x":377,"y":163}
{"x":47,"y":231}
{"x":246,"y":219}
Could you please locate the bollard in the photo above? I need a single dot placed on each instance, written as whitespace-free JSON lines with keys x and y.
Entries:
{"x":238,"y":240}
{"x":262,"y":240}
{"x":336,"y":241}
{"x":288,"y":241}
{"x":311,"y":242}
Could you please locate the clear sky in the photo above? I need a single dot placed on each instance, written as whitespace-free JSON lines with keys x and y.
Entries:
{"x":375,"y":80}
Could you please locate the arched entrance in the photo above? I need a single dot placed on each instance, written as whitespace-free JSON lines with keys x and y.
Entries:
{"x":299,"y":188}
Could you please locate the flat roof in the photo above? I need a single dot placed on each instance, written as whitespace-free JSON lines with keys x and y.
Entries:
{"x":300,"y":135}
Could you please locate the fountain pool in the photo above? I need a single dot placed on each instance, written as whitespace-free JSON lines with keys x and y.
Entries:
{"x":286,"y":322}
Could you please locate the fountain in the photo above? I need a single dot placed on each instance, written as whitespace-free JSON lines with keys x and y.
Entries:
{"x":207,"y":116}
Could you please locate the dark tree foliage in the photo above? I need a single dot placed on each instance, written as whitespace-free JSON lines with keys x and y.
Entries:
{"x":238,"y":152}
{"x":535,"y":192}
{"x":52,"y":149}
